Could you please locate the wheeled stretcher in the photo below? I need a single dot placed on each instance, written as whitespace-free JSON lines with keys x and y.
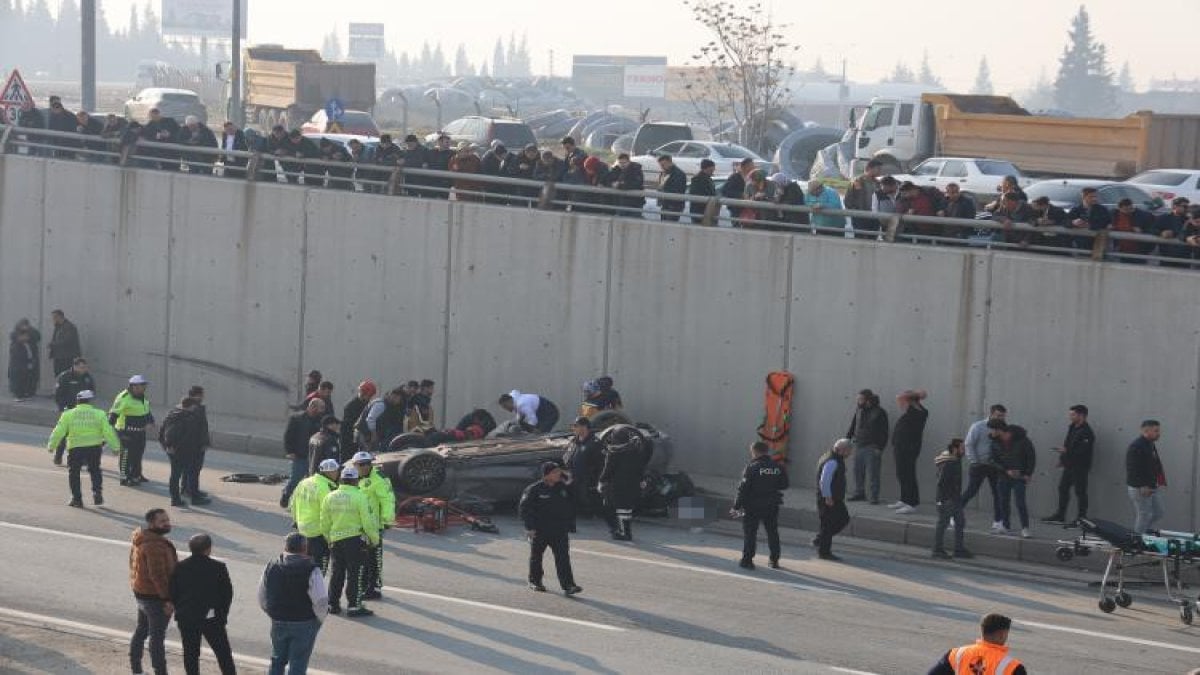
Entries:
{"x":1172,"y":551}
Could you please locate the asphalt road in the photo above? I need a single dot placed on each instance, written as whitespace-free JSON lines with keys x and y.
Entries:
{"x":673,"y":601}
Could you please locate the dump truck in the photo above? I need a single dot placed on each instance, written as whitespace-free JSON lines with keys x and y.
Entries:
{"x":904,"y":131}
{"x":286,"y":86}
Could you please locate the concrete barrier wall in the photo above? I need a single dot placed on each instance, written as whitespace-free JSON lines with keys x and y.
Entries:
{"x":244,"y":287}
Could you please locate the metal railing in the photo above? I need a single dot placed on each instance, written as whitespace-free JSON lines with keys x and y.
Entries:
{"x":706,"y":211}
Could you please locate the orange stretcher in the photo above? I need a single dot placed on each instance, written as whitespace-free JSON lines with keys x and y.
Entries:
{"x":776,"y":426}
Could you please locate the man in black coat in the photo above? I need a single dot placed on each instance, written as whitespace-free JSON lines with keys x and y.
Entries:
{"x":547,"y":512}
{"x":197,"y":135}
{"x":300,"y":148}
{"x":1145,"y":478}
{"x":300,"y":429}
{"x":702,"y":186}
{"x":160,"y":129}
{"x":64,"y":343}
{"x":1075,"y":458}
{"x":906,"y":441}
{"x":758,"y":498}
{"x":949,"y":504}
{"x":584,"y":461}
{"x":628,"y":176}
{"x":625,"y":457}
{"x":673,"y":180}
{"x":191,"y":476}
{"x":325,"y":444}
{"x":61,"y":119}
{"x":180,"y":435}
{"x":202,"y":594}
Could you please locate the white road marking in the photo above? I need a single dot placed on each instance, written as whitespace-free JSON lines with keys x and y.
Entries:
{"x":405,"y":591}
{"x":36,"y":469}
{"x":506,"y":609}
{"x":711,"y":571}
{"x":1105,"y":636}
{"x":851,"y":671}
{"x":104,"y":631}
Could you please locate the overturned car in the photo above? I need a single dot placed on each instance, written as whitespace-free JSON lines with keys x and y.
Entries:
{"x":492,"y":470}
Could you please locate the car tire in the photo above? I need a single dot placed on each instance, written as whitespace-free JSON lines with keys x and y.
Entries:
{"x":608,"y":418}
{"x":421,"y":472}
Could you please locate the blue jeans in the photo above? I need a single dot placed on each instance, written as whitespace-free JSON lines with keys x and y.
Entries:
{"x":1147,"y":511}
{"x":291,"y":645}
{"x":299,"y":473}
{"x":1010,"y":487}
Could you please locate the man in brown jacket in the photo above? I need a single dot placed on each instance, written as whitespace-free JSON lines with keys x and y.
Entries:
{"x":151,"y":563}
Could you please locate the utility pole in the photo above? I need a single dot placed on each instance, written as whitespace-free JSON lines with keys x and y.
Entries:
{"x":87,"y":75}
{"x":237,"y":111}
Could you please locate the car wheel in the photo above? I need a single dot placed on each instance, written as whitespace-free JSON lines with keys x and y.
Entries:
{"x":607,"y":418}
{"x":422,"y":472}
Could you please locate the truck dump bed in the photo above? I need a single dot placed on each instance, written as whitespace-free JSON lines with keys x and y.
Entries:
{"x":995,"y":126}
{"x":283,"y":78}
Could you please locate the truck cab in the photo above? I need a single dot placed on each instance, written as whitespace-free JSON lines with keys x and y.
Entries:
{"x":899,"y":131}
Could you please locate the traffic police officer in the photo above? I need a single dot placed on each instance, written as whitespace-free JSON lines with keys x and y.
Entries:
{"x":305,"y":506}
{"x":382,"y":500}
{"x":987,"y":656}
{"x":85,"y":429}
{"x":350,"y":527}
{"x":758,"y":498}
{"x":68,"y":385}
{"x":130,"y":414}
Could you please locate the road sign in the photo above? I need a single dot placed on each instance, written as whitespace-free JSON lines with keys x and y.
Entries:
{"x":334,"y":109}
{"x":366,"y":41}
{"x":212,"y":18}
{"x":15,"y":92}
{"x":9,"y":114}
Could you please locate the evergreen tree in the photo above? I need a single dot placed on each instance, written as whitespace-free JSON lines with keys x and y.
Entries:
{"x":440,"y":65}
{"x":65,"y":46}
{"x":927,"y":76}
{"x":818,"y":71}
{"x":524,"y":66}
{"x":498,"y":65}
{"x":331,"y":47}
{"x":462,"y":64}
{"x":483,"y":70}
{"x":425,"y":64}
{"x":133,"y":32}
{"x":901,"y":74}
{"x":1084,"y":85}
{"x":983,"y":79}
{"x":1125,"y":80}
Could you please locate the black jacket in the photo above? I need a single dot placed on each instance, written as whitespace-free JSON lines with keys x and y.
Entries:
{"x":622,"y":476}
{"x":198,"y":585}
{"x":64,"y":342}
{"x":201,"y":414}
{"x":837,"y":489}
{"x":1078,"y":446}
{"x":322,"y":446}
{"x":910,"y":427}
{"x":734,"y":187}
{"x":350,"y":414}
{"x":1098,"y":216}
{"x":701,"y":185}
{"x":547,"y":509}
{"x":1016,"y":455}
{"x":762,"y":486}
{"x":949,"y":477}
{"x":792,"y":195}
{"x":181,"y":431}
{"x":300,"y":429}
{"x":1143,"y":465}
{"x":68,"y":385}
{"x":869,"y":426}
{"x":585,"y":460}
{"x":673,"y":181}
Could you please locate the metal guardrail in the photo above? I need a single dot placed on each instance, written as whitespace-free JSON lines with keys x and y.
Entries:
{"x":552,"y":195}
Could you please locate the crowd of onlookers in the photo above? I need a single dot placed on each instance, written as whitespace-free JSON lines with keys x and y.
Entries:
{"x":338,"y":162}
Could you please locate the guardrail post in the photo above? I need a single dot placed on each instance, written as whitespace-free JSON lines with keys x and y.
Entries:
{"x":712,"y":212}
{"x":893,"y":228}
{"x":546,"y":200}
{"x":125,"y":153}
{"x":8,"y":130}
{"x":395,"y":181}
{"x":1100,"y":245}
{"x":252,"y":166}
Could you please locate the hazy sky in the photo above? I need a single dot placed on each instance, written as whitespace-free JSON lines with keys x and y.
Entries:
{"x":1019,"y":37}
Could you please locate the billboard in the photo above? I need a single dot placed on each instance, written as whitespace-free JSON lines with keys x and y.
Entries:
{"x":210,"y":18}
{"x":366,"y":41}
{"x":606,"y":78}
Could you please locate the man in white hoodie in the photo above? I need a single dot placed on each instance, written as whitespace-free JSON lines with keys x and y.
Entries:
{"x":533,"y":412}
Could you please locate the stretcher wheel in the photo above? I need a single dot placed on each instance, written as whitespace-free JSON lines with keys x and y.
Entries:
{"x":1124,"y":599}
{"x":1064,"y":553}
{"x":1107,"y":605}
{"x":1185,"y":614}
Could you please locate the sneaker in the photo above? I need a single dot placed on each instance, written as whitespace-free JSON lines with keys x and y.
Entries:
{"x":905,"y":510}
{"x":142,"y":479}
{"x":746,"y":564}
{"x":372,"y":595}
{"x":998,"y":528}
{"x":572,"y":590}
{"x":857,"y":498}
{"x":359,"y":611}
{"x":98,"y":499}
{"x":940,"y":554}
{"x":58,"y":461}
{"x":200,"y":501}
{"x":963,"y":553}
{"x":773,"y":564}
{"x":535,"y":586}
{"x":125,"y":482}
{"x":335,"y":609}
{"x":177,"y":502}
{"x":76,"y":503}
{"x":1025,"y":533}
{"x":1053,"y":520}
{"x":896,"y":505}
{"x":829,"y":556}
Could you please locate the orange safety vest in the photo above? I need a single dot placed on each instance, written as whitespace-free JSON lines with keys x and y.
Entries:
{"x":982,"y":658}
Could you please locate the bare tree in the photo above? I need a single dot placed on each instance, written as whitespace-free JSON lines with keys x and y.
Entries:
{"x":741,"y":75}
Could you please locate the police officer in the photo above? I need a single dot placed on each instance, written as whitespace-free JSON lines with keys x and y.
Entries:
{"x":758,"y":498}
{"x":85,"y":429}
{"x":382,"y":500}
{"x":130,"y":414}
{"x":987,"y":656}
{"x":547,"y":512}
{"x":584,"y":461}
{"x":305,"y":505}
{"x":625,"y":457}
{"x":68,"y":385}
{"x":350,"y":527}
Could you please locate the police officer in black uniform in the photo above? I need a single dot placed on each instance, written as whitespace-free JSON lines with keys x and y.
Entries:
{"x":584,"y":461}
{"x":758,"y":498}
{"x":68,"y":385}
{"x":547,"y":511}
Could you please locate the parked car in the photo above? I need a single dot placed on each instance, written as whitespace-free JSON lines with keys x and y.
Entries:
{"x":481,"y":131}
{"x":1064,"y":193}
{"x":977,"y":175}
{"x":175,"y":103}
{"x":1167,"y":184}
{"x":653,"y":135}
{"x":353,"y":122}
{"x":687,"y":155}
